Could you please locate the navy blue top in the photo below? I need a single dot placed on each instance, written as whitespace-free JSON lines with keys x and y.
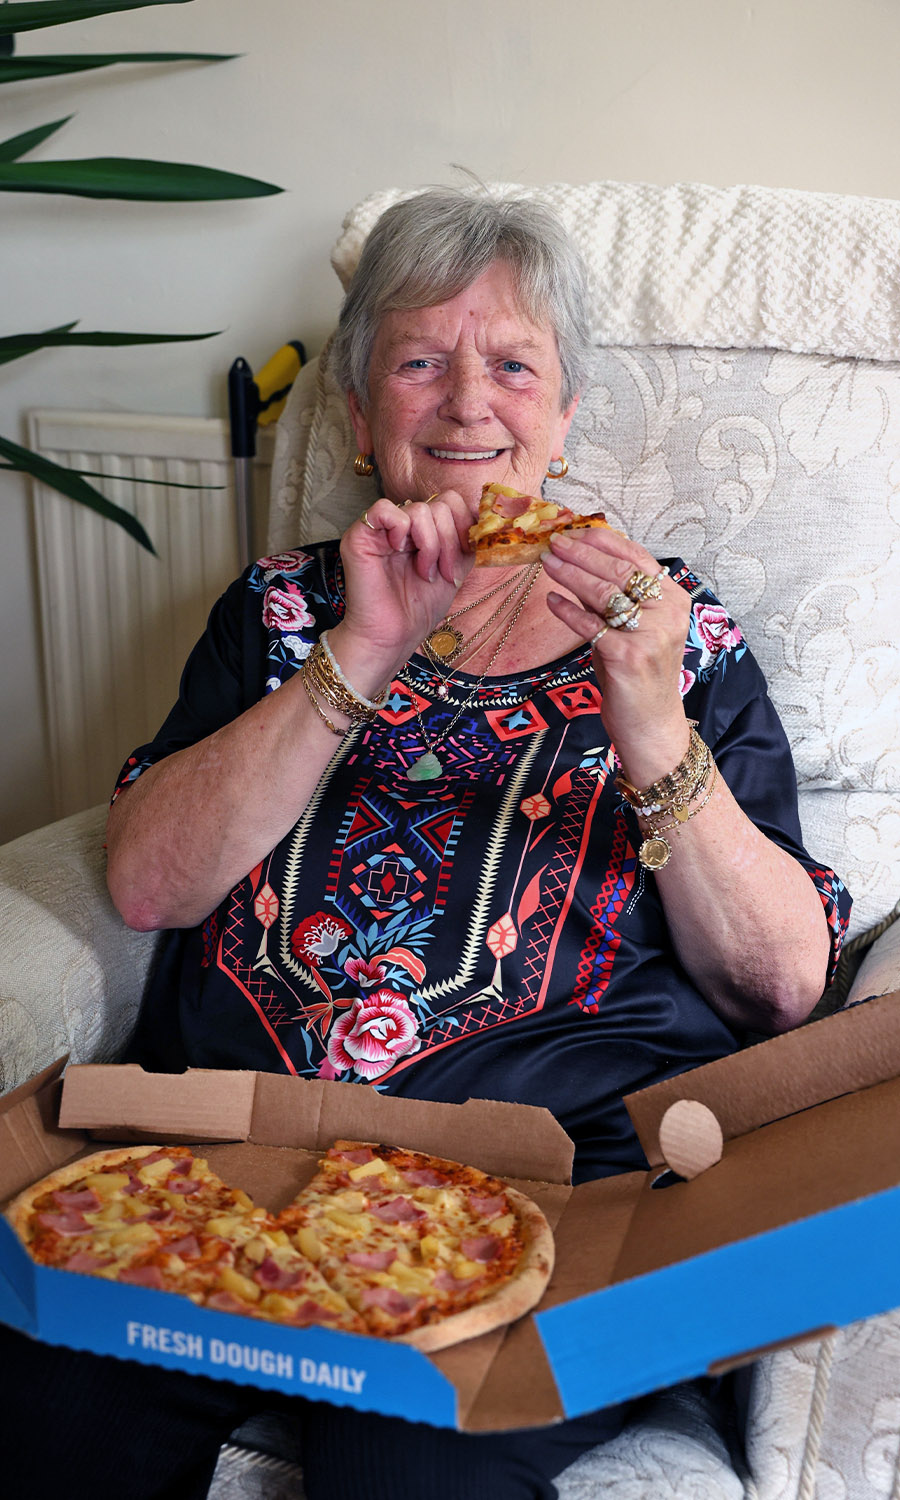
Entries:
{"x":490,"y":933}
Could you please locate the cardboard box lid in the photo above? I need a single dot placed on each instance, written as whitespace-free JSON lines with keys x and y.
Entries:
{"x":122,"y":1102}
{"x":841,"y":1054}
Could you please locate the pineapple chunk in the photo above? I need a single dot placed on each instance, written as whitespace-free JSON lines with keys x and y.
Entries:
{"x":224,"y":1224}
{"x":105,"y":1184}
{"x":110,"y":1213}
{"x":276,"y":1304}
{"x":338,"y":1219}
{"x":155,"y":1171}
{"x":410,"y":1278}
{"x":242,"y":1199}
{"x":351,"y":1199}
{"x":431,"y":1248}
{"x":309,"y":1244}
{"x":489,"y":523}
{"x":527,"y":522}
{"x":241,"y":1286}
{"x":257,"y":1249}
{"x":374,"y":1168}
{"x":464,"y":1269}
{"x":134,"y":1234}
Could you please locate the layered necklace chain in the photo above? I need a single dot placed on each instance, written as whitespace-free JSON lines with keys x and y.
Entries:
{"x":445,"y":644}
{"x":427,"y":767}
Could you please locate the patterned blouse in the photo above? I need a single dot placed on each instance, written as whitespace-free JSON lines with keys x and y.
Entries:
{"x":487,"y":933}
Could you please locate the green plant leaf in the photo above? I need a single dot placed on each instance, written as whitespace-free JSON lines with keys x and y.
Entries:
{"x":18,"y":145}
{"x":68,"y":482}
{"x":132,"y":178}
{"x":22,"y":69}
{"x":30,"y":17}
{"x":17,"y":345}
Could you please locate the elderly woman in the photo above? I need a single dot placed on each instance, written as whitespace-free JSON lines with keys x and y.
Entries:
{"x":519,"y":833}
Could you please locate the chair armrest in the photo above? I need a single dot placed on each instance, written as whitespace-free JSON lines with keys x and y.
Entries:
{"x":71,"y":972}
{"x":879,"y":972}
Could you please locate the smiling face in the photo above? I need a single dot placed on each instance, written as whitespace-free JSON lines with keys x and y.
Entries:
{"x":462,"y":394}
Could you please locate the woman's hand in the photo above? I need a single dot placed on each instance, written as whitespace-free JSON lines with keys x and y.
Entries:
{"x":403,"y":566}
{"x":639,"y":670}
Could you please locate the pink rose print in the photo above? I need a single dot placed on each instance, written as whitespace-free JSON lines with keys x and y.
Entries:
{"x":284,"y":562}
{"x":686,"y":681}
{"x":317,"y":937}
{"x":285,"y":609}
{"x":714,"y":629}
{"x":373,"y":1035}
{"x":366,"y":971}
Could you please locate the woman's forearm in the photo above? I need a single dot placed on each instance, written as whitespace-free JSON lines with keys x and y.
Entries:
{"x":183,"y":835}
{"x":745,"y":918}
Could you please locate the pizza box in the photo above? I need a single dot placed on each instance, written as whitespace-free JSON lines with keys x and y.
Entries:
{"x":790,"y":1232}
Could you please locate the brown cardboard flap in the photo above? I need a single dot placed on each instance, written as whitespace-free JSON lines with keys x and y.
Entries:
{"x":30,"y":1144}
{"x":801,"y":1165}
{"x":840,"y":1054}
{"x":519,"y":1389}
{"x":123,"y":1103}
{"x":514,"y":1140}
{"x":590,"y":1235}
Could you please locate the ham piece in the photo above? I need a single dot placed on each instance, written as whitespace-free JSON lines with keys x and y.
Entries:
{"x":388,"y":1299}
{"x":67,"y":1222}
{"x":397,"y":1210}
{"x":372,"y":1260}
{"x":481,"y":1247}
{"x":488,"y":1208}
{"x":142,"y":1276}
{"x":83,"y":1199}
{"x":270,"y":1274}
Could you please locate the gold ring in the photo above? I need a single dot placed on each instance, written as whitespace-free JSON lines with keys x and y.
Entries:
{"x":366,"y":522}
{"x":622,"y":616}
{"x":432,"y":497}
{"x":601,"y":632}
{"x":641,"y":586}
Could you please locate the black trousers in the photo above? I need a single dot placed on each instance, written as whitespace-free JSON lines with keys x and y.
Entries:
{"x":95,"y":1428}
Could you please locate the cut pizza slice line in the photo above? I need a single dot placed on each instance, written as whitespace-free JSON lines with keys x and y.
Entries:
{"x":513,"y":529}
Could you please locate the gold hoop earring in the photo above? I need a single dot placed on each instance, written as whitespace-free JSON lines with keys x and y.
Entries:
{"x":363,"y":465}
{"x":558,"y":473}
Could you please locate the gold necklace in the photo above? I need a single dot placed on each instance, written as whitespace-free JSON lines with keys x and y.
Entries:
{"x":427,"y":767}
{"x":444,"y":644}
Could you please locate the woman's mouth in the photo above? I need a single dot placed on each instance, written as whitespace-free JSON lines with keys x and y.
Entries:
{"x":468,"y":455}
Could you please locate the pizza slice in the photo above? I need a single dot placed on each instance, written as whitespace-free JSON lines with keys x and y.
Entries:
{"x":426,"y":1250}
{"x":513,"y":528}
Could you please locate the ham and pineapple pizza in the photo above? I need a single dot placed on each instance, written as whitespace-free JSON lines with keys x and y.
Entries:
{"x":426,"y":1250}
{"x":513,"y":528}
{"x":385,"y":1241}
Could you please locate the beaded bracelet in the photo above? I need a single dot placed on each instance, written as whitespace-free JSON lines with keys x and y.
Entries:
{"x":374,"y":704}
{"x":321,"y":671}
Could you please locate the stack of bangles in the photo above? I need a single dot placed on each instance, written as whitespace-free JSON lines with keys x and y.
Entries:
{"x":679,"y":796}
{"x":323,"y":678}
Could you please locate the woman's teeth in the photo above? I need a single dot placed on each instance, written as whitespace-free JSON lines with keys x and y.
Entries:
{"x":458,"y":453}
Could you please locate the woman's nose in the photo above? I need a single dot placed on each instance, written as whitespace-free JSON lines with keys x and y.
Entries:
{"x":466,"y":398}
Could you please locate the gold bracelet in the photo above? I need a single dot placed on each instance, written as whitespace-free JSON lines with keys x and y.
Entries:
{"x":318,"y":670}
{"x":318,"y":708}
{"x":677,"y":787}
{"x":656,"y":850}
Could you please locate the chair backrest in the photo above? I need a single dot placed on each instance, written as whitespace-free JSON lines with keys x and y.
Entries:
{"x":752,"y":426}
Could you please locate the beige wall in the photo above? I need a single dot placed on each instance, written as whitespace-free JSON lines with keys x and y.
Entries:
{"x":334,"y":98}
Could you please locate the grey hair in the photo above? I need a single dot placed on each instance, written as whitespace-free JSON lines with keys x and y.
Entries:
{"x":429,"y":248}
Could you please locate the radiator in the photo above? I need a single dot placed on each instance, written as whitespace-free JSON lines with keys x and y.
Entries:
{"x":117,"y":623}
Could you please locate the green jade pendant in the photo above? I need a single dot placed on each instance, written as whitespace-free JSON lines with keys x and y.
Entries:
{"x":426,"y":768}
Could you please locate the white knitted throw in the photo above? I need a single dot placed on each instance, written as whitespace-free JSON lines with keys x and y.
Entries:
{"x":736,"y":267}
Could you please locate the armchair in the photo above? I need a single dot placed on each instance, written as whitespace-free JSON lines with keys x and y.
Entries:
{"x":744,"y":412}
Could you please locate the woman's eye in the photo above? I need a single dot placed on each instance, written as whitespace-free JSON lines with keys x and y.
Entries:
{"x":417,"y":364}
{"x":513,"y":366}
